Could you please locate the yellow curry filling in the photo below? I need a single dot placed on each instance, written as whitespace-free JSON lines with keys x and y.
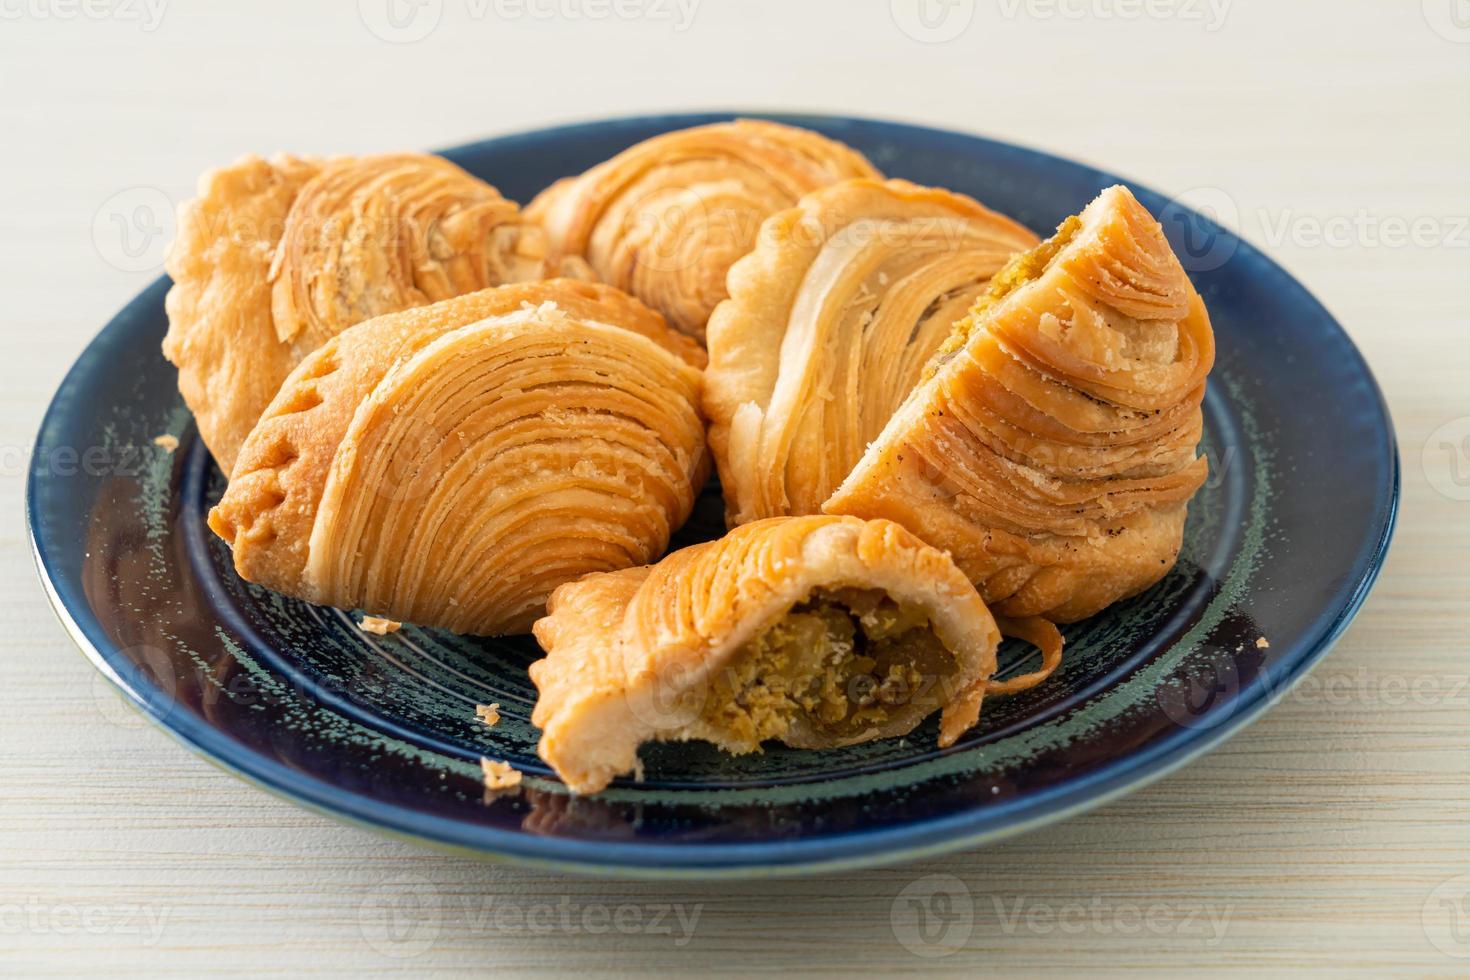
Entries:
{"x":1023,"y":267}
{"x":841,"y":667}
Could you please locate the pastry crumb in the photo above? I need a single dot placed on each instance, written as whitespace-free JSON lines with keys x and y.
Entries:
{"x":379,"y":625}
{"x":499,"y":775}
{"x":167,"y":443}
{"x":1261,"y":643}
{"x":488,"y":713}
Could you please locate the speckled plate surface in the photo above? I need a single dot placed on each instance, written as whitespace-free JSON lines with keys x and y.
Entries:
{"x":1280,"y":550}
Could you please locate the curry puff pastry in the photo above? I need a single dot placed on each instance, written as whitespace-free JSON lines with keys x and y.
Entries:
{"x":815,"y":631}
{"x":452,"y":464}
{"x":666,"y":218}
{"x":829,"y":324}
{"x":276,"y":257}
{"x":1052,"y":447}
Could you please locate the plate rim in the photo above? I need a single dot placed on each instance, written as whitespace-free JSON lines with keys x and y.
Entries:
{"x":866,"y":848}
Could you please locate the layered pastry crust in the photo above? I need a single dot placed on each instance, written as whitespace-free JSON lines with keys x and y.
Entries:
{"x":665,"y":219}
{"x":451,"y":464}
{"x":815,"y":631}
{"x":830,"y":321}
{"x":275,"y":257}
{"x":1052,"y":448}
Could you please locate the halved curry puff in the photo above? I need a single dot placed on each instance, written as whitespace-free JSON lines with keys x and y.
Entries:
{"x":813,"y":631}
{"x":1052,"y":446}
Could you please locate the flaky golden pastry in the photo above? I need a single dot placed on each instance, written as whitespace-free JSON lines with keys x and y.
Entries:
{"x":829,"y":324}
{"x":665,"y":219}
{"x":815,"y":631}
{"x":1052,"y":451}
{"x":275,"y":257}
{"x":451,"y":464}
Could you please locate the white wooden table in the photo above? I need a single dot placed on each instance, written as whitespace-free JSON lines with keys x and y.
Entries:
{"x":1332,"y":835}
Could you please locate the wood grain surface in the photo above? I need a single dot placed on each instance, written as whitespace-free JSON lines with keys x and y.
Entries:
{"x":1332,"y":836}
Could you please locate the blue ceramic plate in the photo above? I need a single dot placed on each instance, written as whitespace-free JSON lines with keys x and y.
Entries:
{"x":1281,"y":548}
